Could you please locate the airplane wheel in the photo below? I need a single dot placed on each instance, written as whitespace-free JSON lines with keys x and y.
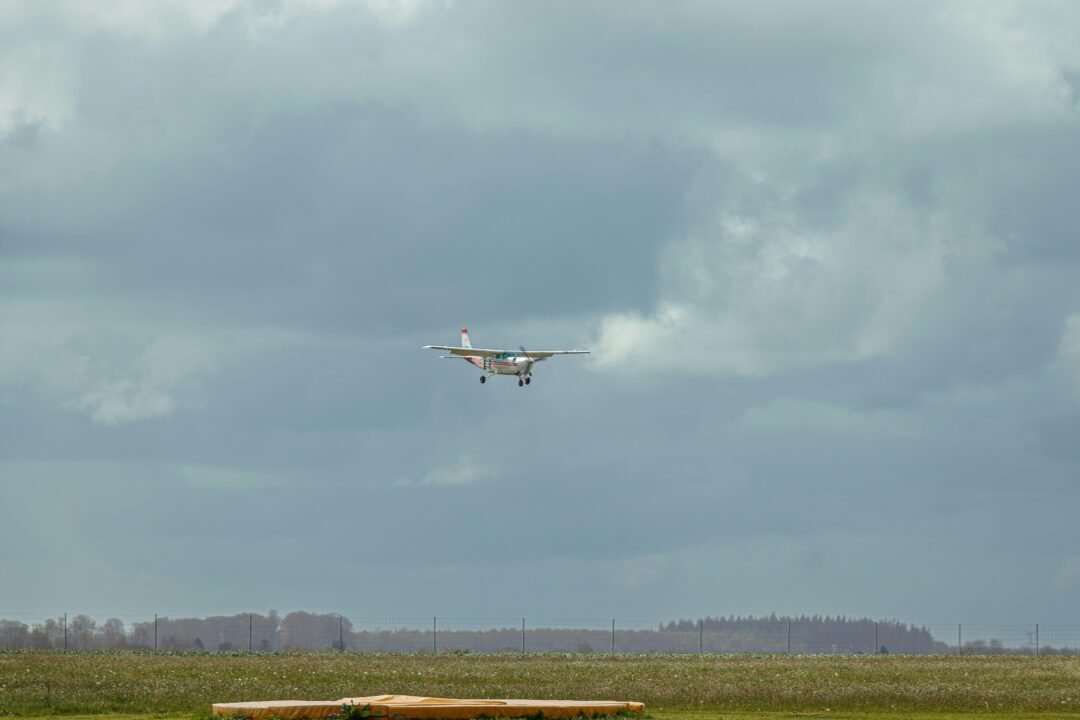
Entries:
{"x":528,"y":380}
{"x":483,"y":379}
{"x":521,"y":383}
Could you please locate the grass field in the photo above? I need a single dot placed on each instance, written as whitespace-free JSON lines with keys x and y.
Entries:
{"x":140,"y":686}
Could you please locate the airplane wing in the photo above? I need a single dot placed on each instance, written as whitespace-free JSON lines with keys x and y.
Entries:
{"x":541,"y":354}
{"x":483,"y":352}
{"x":463,"y":351}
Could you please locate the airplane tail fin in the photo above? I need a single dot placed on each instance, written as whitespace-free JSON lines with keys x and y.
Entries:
{"x":465,"y":338}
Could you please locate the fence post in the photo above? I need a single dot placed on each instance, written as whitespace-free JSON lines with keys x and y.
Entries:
{"x":65,"y":631}
{"x":522,"y":636}
{"x":613,"y":636}
{"x":435,"y":635}
{"x":155,"y":632}
{"x":788,"y":637}
{"x":701,"y":637}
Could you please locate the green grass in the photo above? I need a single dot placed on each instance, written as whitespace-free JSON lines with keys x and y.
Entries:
{"x":736,"y":687}
{"x":714,"y":715}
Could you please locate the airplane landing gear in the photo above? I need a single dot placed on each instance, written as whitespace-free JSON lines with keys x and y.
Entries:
{"x":483,"y":379}
{"x":521,"y":383}
{"x":528,"y":380}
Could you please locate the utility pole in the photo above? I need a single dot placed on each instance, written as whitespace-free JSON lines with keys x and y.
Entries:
{"x":788,"y":637}
{"x":250,"y":624}
{"x":155,"y":632}
{"x":522,"y":636}
{"x":65,"y":631}
{"x":700,"y":637}
{"x":435,"y":635}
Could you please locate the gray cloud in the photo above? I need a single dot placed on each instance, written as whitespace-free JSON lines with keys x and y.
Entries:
{"x":823,"y":256}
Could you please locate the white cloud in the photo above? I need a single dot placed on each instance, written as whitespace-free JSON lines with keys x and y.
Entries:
{"x":264,"y":20}
{"x":978,"y":67}
{"x":171,"y":18}
{"x":37,"y":87}
{"x":1002,"y":65}
{"x":65,"y":341}
{"x":755,"y":295}
{"x":123,"y":401}
{"x":627,"y":339}
{"x":141,"y":20}
{"x":160,"y":380}
{"x":462,"y":472}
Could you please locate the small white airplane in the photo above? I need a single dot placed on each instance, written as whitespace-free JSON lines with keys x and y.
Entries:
{"x":500,"y":362}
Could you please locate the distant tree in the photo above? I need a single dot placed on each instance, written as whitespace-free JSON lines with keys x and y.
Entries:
{"x":112,"y":633}
{"x":264,"y":631}
{"x":142,"y":635}
{"x":14,"y":635}
{"x":81,"y":632}
{"x":54,"y":630}
{"x":310,"y":631}
{"x":39,"y":639}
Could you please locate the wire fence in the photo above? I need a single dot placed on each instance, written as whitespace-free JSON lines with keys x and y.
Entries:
{"x":310,"y":632}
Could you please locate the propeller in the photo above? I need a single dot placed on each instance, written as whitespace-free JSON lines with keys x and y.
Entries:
{"x":525,"y":363}
{"x":525,"y":355}
{"x":528,"y":363}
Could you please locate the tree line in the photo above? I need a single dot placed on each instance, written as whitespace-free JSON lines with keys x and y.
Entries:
{"x":304,"y":631}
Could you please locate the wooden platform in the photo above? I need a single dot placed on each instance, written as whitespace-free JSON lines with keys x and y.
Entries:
{"x":412,"y":707}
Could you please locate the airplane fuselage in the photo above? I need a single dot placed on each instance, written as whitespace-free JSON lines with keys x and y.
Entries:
{"x":503,"y":364}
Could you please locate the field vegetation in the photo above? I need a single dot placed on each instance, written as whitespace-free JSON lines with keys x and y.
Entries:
{"x":681,"y":687}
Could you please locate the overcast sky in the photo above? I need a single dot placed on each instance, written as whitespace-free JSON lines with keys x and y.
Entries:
{"x":825,"y":255}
